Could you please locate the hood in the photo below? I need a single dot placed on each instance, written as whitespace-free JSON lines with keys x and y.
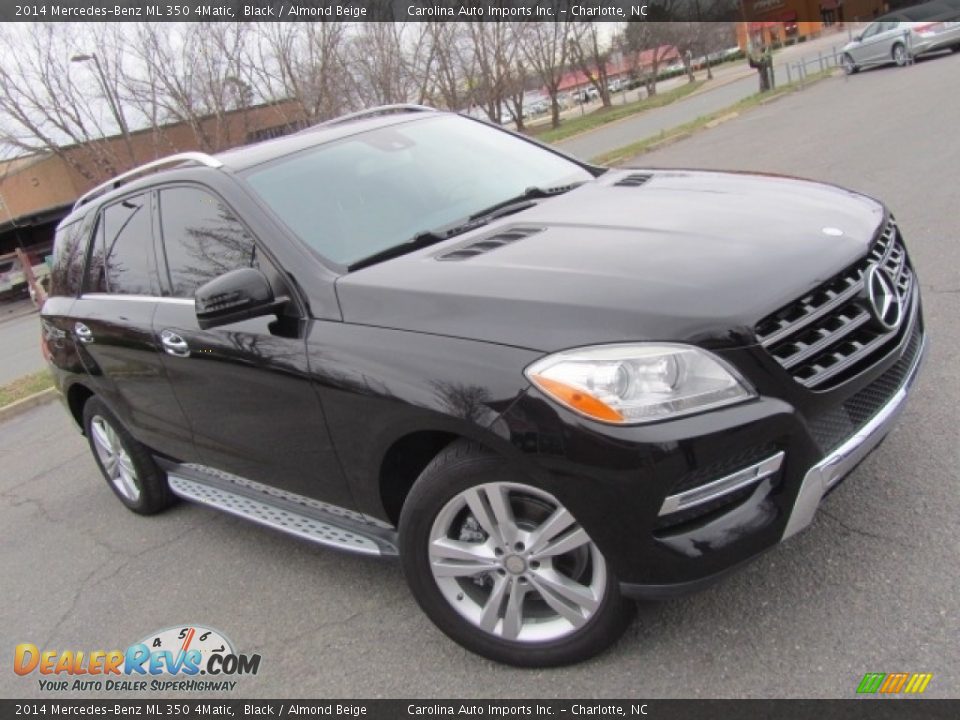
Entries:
{"x":679,"y":256}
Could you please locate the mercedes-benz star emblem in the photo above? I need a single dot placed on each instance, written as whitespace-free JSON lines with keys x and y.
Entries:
{"x":884,"y":302}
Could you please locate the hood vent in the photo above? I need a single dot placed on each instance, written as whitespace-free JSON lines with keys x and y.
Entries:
{"x":491,"y":242}
{"x":633,"y":180}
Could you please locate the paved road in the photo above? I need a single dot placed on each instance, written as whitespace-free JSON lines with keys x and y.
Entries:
{"x":871,"y":586}
{"x":19,"y":346}
{"x":649,"y":124}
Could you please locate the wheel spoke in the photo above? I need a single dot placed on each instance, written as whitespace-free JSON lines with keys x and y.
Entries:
{"x":560,"y":520}
{"x":127,"y":486}
{"x":112,"y":436}
{"x":110,"y":465}
{"x":566,"y":543}
{"x":491,"y":610}
{"x":452,"y":558}
{"x":513,"y":615}
{"x":126,"y":465}
{"x":101,"y":438}
{"x":499,"y":499}
{"x":559,"y":589}
{"x":476,"y":500}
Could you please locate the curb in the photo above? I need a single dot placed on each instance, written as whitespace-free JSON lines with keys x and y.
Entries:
{"x":19,"y":314}
{"x":27,"y":403}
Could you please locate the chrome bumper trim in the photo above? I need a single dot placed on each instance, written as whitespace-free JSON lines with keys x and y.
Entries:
{"x":829,"y":471}
{"x":723,"y":486}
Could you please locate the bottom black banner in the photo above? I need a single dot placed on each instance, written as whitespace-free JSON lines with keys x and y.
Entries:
{"x":484,"y":709}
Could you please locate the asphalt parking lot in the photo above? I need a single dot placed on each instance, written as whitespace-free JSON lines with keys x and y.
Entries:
{"x":870,"y":586}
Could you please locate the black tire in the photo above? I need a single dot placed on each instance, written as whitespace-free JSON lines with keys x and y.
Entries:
{"x":849,"y":66}
{"x":149,"y":480}
{"x":460,"y":467}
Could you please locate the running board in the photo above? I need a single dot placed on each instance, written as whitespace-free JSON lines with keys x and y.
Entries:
{"x":289,"y":513}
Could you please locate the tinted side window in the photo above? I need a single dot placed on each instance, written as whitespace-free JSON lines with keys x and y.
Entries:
{"x":121,"y":262}
{"x":202,"y":239}
{"x":69,"y":254}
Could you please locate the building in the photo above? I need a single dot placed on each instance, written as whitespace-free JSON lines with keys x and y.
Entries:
{"x":777,"y":22}
{"x":621,"y":68}
{"x":37,"y":191}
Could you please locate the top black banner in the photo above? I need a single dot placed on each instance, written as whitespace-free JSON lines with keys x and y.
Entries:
{"x":749,"y":11}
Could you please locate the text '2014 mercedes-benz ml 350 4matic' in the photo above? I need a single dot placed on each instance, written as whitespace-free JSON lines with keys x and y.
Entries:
{"x":548,"y":387}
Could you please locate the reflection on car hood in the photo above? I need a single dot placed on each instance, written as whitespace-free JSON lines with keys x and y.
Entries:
{"x":686,"y":256}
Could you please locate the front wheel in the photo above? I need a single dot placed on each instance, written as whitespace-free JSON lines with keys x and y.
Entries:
{"x":503,"y":568}
{"x":849,"y":66}
{"x":900,"y":56}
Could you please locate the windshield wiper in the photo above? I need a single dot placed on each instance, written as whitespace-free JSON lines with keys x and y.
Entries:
{"x":522,"y":201}
{"x":420,"y":240}
{"x":478,"y":219}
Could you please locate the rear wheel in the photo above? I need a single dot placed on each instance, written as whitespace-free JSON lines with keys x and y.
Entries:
{"x":503,"y":568}
{"x":900,"y":56}
{"x":127,"y":466}
{"x":849,"y":66}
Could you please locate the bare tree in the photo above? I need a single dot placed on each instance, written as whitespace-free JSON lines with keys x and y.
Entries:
{"x":545,"y":46}
{"x":591,"y":57}
{"x":494,"y":52}
{"x":50,"y":104}
{"x":304,"y":63}
{"x":645,"y":46}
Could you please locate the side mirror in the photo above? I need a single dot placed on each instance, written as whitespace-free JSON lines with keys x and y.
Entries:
{"x":237,"y":295}
{"x":858,"y":38}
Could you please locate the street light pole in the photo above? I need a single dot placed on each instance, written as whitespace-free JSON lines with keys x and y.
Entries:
{"x":113,"y":102}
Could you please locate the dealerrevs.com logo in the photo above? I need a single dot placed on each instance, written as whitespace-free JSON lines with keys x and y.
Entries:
{"x":173,"y":659}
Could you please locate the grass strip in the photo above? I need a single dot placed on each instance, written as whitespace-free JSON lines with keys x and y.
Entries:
{"x":603,"y":116}
{"x":680,"y":132}
{"x":25,"y":387}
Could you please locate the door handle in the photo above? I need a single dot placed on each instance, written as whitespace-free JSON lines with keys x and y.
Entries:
{"x":173,"y":344}
{"x":83,"y":333}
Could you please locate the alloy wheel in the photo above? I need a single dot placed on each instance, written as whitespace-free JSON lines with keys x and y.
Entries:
{"x":116,"y":461}
{"x":515,"y":563}
{"x":900,"y":55}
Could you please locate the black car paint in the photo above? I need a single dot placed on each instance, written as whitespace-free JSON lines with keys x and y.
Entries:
{"x":416,"y":346}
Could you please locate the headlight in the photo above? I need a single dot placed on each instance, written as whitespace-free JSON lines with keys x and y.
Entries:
{"x":637,"y":383}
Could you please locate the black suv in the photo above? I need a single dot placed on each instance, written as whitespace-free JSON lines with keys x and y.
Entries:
{"x":547,"y":386}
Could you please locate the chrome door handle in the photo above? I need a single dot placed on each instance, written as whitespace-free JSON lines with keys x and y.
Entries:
{"x":83,"y":333}
{"x":173,"y":344}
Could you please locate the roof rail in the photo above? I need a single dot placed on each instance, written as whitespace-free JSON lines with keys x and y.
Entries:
{"x":186,"y":157}
{"x":371,"y":112}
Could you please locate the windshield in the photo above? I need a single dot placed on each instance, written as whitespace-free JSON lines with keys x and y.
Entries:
{"x":353,"y":198}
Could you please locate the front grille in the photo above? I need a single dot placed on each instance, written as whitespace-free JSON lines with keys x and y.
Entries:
{"x":828,"y":335}
{"x":832,"y":428}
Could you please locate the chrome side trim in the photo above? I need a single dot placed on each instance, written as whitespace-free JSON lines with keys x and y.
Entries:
{"x":723,"y":486}
{"x":192,"y":157}
{"x":138,"y":298}
{"x":829,"y":471}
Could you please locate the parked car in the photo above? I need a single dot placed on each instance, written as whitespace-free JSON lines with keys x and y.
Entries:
{"x":548,"y":386}
{"x":908,"y":33}
{"x":13,"y":280}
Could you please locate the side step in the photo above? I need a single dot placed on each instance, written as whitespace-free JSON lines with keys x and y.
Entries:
{"x":304,"y":517}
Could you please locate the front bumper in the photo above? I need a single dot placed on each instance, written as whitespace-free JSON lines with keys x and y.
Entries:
{"x":674,"y":506}
{"x":823,"y":476}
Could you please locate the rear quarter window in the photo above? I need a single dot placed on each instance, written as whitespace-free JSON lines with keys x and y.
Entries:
{"x":69,"y":253}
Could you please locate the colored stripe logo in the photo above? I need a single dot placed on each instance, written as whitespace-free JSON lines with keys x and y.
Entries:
{"x":894,"y":683}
